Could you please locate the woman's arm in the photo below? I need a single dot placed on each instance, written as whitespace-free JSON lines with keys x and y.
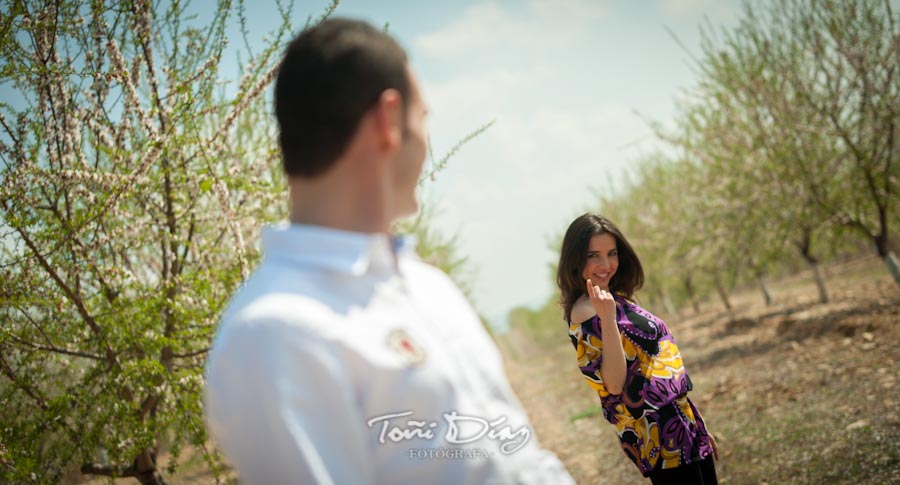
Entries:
{"x":612,"y":368}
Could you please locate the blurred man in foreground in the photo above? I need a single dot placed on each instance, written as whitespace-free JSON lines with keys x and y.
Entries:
{"x":344,"y":358}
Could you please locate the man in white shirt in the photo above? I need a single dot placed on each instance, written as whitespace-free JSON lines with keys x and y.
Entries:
{"x":344,"y":358}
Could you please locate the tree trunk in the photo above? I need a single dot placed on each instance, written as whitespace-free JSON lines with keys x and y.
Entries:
{"x":883,"y":247}
{"x":893,"y":266}
{"x":145,"y":466}
{"x":143,"y":469}
{"x":804,"y":247}
{"x":151,"y":478}
{"x":689,"y":287}
{"x":723,"y":295}
{"x":764,"y":287}
{"x":820,"y":283}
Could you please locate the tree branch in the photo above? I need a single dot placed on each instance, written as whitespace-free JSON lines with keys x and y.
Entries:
{"x":25,"y":387}
{"x":79,"y":305}
{"x":191,"y":354}
{"x":54,"y":349}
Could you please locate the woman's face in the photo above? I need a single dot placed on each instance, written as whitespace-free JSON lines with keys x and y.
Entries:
{"x":602,"y":260}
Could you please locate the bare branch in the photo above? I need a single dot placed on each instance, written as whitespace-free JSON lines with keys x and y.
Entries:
{"x":54,"y":349}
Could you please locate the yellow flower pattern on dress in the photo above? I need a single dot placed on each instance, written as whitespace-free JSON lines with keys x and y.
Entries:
{"x":667,"y":365}
{"x":657,"y":425}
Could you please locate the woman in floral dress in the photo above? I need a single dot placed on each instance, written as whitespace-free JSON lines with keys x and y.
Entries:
{"x":629,"y":357}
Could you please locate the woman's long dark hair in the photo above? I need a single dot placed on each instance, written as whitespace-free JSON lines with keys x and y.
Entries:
{"x":629,"y":276}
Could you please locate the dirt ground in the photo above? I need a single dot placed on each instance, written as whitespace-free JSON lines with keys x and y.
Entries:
{"x":797,"y":392}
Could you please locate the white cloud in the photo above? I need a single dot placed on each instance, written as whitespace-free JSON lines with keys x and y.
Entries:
{"x":681,"y":8}
{"x":540,"y":25}
{"x":469,"y":97}
{"x":714,"y":9}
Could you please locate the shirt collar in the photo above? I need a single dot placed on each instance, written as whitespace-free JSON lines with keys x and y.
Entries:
{"x":334,"y":249}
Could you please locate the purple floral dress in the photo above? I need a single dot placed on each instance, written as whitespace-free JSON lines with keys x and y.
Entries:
{"x":657,"y":425}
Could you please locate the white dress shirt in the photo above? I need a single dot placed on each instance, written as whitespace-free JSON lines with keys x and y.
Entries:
{"x":345,"y":359}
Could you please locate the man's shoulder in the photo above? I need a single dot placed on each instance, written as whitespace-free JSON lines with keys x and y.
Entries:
{"x":257,"y":325}
{"x":276,"y":308}
{"x":419,"y":269}
{"x":268,"y":299}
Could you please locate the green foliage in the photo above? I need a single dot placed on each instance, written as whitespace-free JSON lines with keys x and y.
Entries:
{"x":530,"y":323}
{"x":131,"y":180}
{"x":587,"y":413}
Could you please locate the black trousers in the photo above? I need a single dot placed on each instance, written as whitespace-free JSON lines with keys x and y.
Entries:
{"x":698,"y":473}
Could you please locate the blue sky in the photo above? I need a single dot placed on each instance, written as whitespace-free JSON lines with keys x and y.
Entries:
{"x":564,"y":80}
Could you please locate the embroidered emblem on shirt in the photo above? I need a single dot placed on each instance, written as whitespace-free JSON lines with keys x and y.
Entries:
{"x":411,"y":352}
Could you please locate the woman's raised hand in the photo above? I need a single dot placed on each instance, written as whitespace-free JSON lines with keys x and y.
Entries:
{"x":602,"y":301}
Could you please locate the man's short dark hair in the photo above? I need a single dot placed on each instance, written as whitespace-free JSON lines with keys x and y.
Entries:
{"x":331,"y":75}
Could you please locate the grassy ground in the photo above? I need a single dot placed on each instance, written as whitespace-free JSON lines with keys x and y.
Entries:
{"x":797,"y":392}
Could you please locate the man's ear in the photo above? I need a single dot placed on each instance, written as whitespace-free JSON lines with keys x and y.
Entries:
{"x":388,"y":117}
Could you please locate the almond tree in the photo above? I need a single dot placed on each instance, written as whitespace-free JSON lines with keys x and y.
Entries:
{"x":754,"y":164}
{"x":821,"y":80}
{"x":131,"y":180}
